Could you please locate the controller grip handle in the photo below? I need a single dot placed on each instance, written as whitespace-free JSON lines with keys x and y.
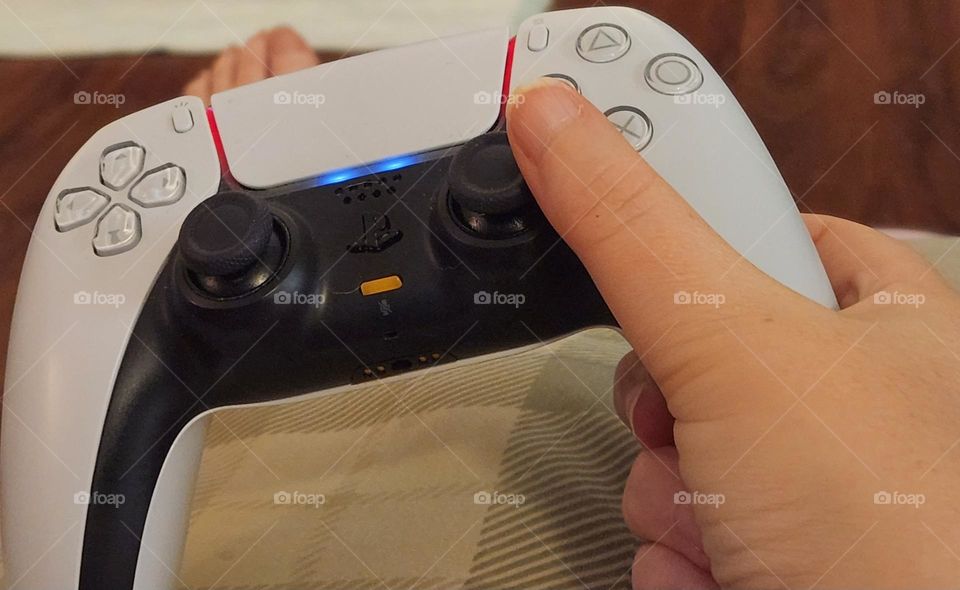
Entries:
{"x":165,"y":530}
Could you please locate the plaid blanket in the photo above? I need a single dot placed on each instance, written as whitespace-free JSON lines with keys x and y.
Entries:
{"x":506,"y":474}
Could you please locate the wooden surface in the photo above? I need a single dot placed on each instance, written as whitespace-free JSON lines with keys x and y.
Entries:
{"x":806,"y":73}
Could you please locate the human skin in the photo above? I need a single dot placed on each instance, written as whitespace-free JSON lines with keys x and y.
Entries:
{"x":271,"y":52}
{"x":792,"y":415}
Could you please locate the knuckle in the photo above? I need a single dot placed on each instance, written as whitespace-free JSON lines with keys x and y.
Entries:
{"x":621,"y":193}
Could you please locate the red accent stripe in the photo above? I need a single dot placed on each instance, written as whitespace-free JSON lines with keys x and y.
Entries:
{"x":505,"y":92}
{"x":217,"y":141}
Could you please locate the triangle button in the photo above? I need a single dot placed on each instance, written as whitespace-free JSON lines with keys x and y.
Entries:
{"x":603,"y":43}
{"x":603,"y":40}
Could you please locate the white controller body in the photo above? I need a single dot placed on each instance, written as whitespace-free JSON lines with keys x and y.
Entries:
{"x":89,"y":268}
{"x":701,"y":142}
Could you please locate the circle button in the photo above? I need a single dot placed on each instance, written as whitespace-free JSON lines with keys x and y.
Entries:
{"x":673,"y":74}
{"x":603,"y":43}
{"x":632,"y":124}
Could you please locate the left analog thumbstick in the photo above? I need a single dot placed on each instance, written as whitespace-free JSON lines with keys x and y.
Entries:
{"x":231,"y":245}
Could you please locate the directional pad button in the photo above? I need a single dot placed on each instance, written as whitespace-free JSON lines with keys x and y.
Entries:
{"x":160,"y":186}
{"x":117,"y":231}
{"x":120,"y":164}
{"x":78,"y":206}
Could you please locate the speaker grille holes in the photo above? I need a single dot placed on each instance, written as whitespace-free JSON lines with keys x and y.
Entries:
{"x":376,"y":188}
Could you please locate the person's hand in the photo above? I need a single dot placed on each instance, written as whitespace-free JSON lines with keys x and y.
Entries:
{"x":271,"y":52}
{"x":789,"y":445}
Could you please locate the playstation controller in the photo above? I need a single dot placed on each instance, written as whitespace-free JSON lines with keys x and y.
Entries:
{"x":312,"y":232}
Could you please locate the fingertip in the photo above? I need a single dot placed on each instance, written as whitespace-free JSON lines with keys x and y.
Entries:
{"x":654,"y":478}
{"x":257,"y":43}
{"x":538,"y":111}
{"x":650,"y":507}
{"x":199,"y":86}
{"x":289,"y":51}
{"x":286,"y":37}
{"x":224,"y":70}
{"x":861,"y":261}
{"x":657,"y":567}
{"x":623,"y":381}
{"x":640,"y":404}
{"x":252,"y":65}
{"x":650,"y":418}
{"x":575,"y":162}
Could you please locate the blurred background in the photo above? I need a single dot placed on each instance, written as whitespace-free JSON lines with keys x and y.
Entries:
{"x":857,"y":101}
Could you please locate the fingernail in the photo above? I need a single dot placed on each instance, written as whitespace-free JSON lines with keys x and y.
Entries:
{"x":538,"y":111}
{"x":630,"y":404}
{"x":626,"y":395}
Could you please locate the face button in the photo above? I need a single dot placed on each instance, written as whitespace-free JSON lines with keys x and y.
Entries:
{"x":673,"y":74}
{"x":603,"y":43}
{"x":632,"y":124}
{"x":539,"y":38}
{"x":564,"y":78}
{"x":117,"y":231}
{"x":120,"y":164}
{"x":78,"y":206}
{"x":160,"y":186}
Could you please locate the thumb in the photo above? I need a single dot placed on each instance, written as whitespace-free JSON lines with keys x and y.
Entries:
{"x":643,"y":245}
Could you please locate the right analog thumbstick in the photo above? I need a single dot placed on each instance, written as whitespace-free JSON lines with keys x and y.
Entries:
{"x":487,"y":192}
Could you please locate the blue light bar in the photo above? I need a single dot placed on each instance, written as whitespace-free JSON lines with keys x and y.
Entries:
{"x":345,"y":174}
